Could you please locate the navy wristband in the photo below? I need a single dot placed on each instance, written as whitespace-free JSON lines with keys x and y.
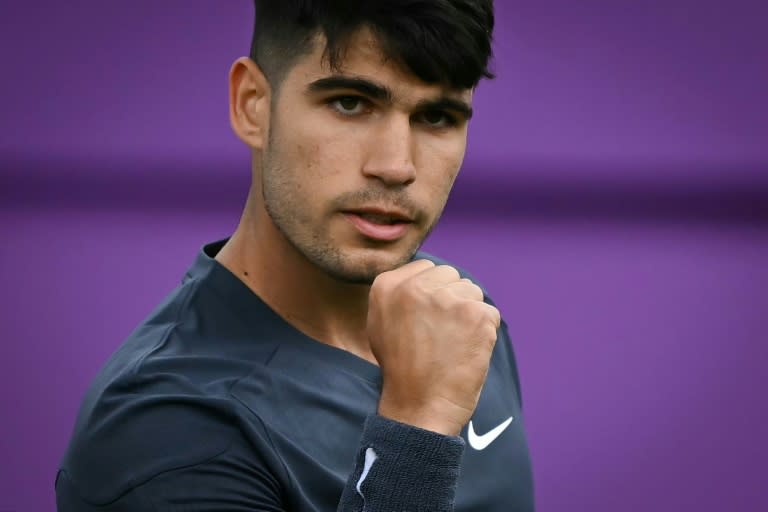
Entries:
{"x":400,"y":468}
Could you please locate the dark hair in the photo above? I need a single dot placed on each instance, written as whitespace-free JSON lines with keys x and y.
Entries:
{"x":439,"y":41}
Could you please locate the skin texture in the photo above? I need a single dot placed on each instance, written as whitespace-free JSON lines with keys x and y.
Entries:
{"x":323,"y":158}
{"x":321,"y":150}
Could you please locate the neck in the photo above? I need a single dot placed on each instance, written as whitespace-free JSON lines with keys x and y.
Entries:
{"x":323,"y":308}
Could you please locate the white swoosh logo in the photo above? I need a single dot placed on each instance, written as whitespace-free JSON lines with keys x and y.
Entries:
{"x":481,"y":442}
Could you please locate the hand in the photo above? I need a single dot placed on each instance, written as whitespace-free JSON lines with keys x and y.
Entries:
{"x":432,"y":336}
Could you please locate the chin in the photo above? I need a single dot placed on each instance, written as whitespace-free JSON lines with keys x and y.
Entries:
{"x":364,"y":268}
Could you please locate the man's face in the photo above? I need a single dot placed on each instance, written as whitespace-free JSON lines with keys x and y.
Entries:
{"x":359,"y":161}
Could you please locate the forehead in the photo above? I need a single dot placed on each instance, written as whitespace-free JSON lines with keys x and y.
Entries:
{"x":364,"y":58}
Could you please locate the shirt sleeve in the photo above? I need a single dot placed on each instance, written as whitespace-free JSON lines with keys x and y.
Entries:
{"x":237,"y":479}
{"x":398,"y":467}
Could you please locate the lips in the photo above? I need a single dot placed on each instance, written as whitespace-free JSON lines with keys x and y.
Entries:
{"x":379,"y":224}
{"x":380,"y":218}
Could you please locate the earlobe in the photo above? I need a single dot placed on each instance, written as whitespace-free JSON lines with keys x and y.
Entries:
{"x":249,"y":98}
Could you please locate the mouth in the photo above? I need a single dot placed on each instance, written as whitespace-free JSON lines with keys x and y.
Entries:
{"x":381,"y":216}
{"x":380,"y":224}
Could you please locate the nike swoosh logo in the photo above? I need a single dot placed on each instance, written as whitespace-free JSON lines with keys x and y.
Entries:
{"x":481,"y":442}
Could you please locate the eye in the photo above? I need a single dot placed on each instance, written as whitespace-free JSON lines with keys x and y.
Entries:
{"x":348,"y":105}
{"x":438,"y":119}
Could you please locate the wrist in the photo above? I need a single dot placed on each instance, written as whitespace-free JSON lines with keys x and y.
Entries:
{"x":426,"y":418}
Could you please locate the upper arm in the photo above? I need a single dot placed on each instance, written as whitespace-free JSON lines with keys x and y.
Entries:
{"x":166,"y":447}
{"x":232,"y":481}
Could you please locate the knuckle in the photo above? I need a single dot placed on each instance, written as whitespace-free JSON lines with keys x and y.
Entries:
{"x":493,"y":315}
{"x":491,"y":334}
{"x":444,"y":298}
{"x":421,"y":265}
{"x":477,"y":291}
{"x":428,"y":263}
{"x":467,"y":311}
{"x":473,"y":288}
{"x":449,"y":272}
{"x":453,"y":272}
{"x":486,"y":339}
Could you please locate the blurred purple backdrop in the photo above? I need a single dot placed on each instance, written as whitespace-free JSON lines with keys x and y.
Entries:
{"x":614,"y":200}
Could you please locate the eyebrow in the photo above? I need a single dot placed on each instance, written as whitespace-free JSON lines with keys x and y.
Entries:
{"x":382,"y":93}
{"x":458,"y":106}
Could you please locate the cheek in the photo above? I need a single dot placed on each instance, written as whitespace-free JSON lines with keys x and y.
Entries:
{"x":447,"y":184}
{"x":306,"y":155}
{"x":325,"y":155}
{"x":440,"y":162}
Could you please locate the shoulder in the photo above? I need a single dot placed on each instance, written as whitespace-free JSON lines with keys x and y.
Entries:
{"x":134,"y":430}
{"x":159,"y":404}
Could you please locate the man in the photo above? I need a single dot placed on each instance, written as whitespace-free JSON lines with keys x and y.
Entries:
{"x":314,"y":360}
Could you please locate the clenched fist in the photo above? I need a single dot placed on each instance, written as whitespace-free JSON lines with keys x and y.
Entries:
{"x":433,"y":336}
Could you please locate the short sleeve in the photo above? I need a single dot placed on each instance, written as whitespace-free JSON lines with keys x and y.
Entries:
{"x":232,"y":481}
{"x":167,"y":447}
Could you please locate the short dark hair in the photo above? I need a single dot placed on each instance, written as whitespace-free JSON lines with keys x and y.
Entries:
{"x":440,"y":41}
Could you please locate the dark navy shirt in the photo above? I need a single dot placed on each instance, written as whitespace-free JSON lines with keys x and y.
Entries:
{"x":216,"y":403}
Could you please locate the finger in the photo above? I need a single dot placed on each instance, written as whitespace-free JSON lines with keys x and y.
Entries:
{"x":407,"y":271}
{"x":493,"y":314}
{"x":466,"y":289}
{"x":481,"y":297}
{"x":439,"y":276}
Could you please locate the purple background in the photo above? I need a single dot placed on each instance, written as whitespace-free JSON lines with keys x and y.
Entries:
{"x":614,"y":200}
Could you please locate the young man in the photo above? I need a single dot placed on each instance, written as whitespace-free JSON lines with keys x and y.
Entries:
{"x":315,"y":360}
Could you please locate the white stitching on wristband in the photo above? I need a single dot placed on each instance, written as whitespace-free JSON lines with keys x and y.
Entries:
{"x":370,"y":458}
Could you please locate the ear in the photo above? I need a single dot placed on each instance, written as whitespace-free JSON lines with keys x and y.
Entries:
{"x":249,"y":101}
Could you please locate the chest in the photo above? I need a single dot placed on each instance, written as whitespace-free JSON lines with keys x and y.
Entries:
{"x":496,"y":468}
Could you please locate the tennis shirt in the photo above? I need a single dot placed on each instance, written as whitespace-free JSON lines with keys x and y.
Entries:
{"x":216,"y":403}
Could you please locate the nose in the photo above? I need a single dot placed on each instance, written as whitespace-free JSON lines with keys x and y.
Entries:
{"x":390,"y":156}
